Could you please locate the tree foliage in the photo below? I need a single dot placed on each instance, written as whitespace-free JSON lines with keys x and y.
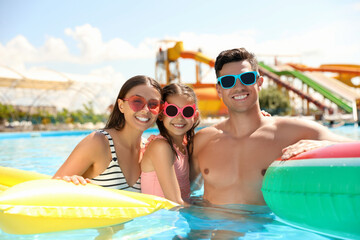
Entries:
{"x":10,"y":114}
{"x":274,"y":101}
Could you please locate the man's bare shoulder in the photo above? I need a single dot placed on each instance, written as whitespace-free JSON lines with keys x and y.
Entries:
{"x":206,"y":134}
{"x":301,"y":128}
{"x":296,"y":122}
{"x":211,"y":131}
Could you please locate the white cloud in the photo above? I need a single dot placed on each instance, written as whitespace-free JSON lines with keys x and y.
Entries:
{"x":54,"y":49}
{"x":212,"y":44}
{"x":94,"y":50}
{"x":324,"y":44}
{"x":19,"y":51}
{"x":318,"y":45}
{"x":16,"y":52}
{"x":355,"y":6}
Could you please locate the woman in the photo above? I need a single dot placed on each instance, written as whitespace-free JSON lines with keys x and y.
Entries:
{"x":111,"y":157}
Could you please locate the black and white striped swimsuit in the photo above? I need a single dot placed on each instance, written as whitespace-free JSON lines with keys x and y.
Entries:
{"x":113,"y":177}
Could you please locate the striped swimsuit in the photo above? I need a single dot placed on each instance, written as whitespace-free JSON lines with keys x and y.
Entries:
{"x":113,"y":177}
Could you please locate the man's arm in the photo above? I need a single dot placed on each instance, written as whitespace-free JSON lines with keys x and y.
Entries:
{"x":312,"y":135}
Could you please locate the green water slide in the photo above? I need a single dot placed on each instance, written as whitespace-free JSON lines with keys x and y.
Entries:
{"x":314,"y":85}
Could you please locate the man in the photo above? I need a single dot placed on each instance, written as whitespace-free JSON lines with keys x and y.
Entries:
{"x":233,"y":155}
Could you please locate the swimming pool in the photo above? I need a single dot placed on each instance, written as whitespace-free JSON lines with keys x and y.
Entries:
{"x":44,"y":152}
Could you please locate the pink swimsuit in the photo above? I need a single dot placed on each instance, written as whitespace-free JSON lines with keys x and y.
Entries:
{"x":150,"y":183}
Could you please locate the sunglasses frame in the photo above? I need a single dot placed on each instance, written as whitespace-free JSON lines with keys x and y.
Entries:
{"x":144,"y":102}
{"x":179,"y":110}
{"x":256,"y":74}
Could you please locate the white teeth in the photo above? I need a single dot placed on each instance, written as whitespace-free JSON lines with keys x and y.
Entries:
{"x":179,"y":125}
{"x":142,"y":119}
{"x":240,"y":97}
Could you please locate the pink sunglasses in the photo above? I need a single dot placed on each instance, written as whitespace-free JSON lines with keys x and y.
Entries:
{"x":171,"y":110}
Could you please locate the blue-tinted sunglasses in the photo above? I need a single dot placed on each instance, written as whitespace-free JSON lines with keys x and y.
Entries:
{"x":246,"y":78}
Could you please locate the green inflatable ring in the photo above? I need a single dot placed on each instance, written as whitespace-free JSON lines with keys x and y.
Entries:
{"x":318,"y":190}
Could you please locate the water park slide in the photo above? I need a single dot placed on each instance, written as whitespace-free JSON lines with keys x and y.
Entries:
{"x":335,"y":86}
{"x":313,"y":84}
{"x":346,"y":71}
{"x":264,"y":70}
{"x":178,"y":51}
{"x":209,"y":102}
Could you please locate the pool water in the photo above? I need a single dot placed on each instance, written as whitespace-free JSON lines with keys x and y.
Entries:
{"x":45,"y":152}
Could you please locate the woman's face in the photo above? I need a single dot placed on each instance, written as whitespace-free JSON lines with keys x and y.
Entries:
{"x":135,"y":116}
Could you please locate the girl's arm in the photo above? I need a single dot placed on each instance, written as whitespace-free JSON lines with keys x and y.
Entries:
{"x":160,"y":157}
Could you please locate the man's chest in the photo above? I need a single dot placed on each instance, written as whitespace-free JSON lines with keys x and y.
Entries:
{"x":232,"y":158}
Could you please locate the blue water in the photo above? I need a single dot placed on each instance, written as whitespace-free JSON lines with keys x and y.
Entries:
{"x":44,"y":152}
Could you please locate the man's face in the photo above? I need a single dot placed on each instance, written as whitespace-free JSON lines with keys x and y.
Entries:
{"x":240,"y":97}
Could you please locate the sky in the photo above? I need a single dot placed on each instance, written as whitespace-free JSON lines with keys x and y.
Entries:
{"x":119,"y":39}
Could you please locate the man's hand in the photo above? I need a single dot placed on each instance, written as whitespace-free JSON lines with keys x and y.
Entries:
{"x":265,"y":114}
{"x":303,"y":146}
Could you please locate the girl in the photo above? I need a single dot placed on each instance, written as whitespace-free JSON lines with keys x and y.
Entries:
{"x":111,"y":157}
{"x":165,"y":164}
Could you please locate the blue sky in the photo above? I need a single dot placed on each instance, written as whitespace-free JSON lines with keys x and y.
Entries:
{"x":119,"y":38}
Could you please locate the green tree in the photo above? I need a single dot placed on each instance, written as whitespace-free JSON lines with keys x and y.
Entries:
{"x":9,"y":113}
{"x":274,"y":101}
{"x":6,"y":112}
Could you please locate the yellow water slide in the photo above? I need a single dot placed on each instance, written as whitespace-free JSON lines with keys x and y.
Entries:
{"x":209,"y":102}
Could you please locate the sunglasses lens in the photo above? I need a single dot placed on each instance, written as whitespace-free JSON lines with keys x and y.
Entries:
{"x":188,"y":112}
{"x":228,"y":81}
{"x":137,"y":103}
{"x":171,"y":111}
{"x":248,"y":78}
{"x":154,"y":106}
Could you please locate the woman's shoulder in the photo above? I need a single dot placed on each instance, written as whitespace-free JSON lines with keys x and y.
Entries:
{"x":91,"y":146}
{"x":95,"y":140}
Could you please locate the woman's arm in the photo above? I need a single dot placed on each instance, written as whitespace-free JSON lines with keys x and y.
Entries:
{"x":80,"y":163}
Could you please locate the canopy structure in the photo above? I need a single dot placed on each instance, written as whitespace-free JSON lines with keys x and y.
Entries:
{"x":10,"y":78}
{"x":41,"y":87}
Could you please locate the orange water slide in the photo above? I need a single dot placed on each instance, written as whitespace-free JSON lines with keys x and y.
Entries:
{"x":345,"y":71}
{"x":338,"y":68}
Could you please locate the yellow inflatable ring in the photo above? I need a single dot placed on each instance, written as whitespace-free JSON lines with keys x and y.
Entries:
{"x":49,"y":205}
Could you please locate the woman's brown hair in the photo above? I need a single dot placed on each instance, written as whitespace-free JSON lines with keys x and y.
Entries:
{"x":117,"y":119}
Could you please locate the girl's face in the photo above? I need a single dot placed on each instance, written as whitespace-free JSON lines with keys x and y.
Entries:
{"x":137,"y":117}
{"x":178,"y":125}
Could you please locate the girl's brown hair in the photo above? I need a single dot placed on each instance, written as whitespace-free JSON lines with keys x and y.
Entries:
{"x":179,"y":89}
